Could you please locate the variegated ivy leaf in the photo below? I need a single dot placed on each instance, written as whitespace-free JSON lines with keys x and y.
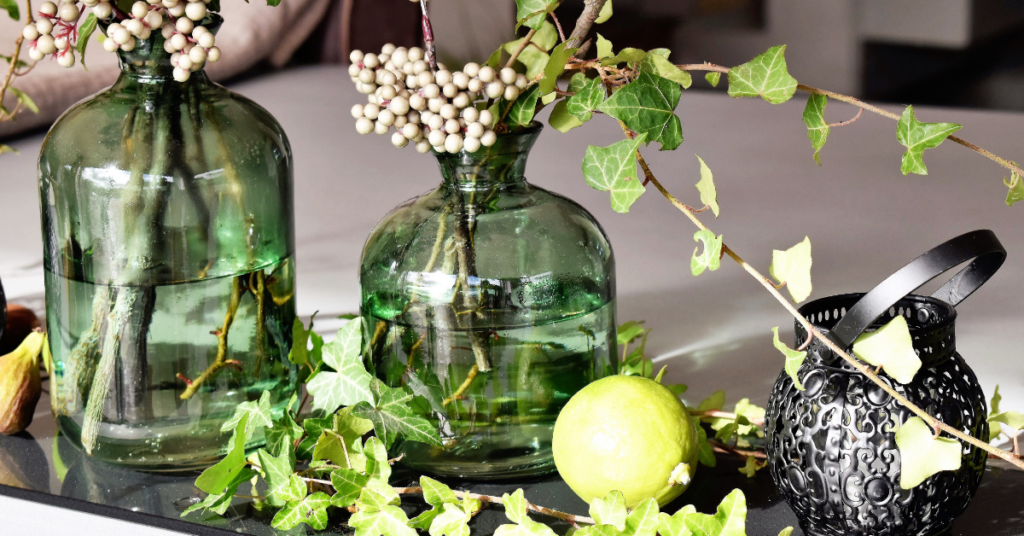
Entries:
{"x":752,"y":466}
{"x":713,"y":78}
{"x":217,"y":504}
{"x":706,"y":187}
{"x":917,"y":136}
{"x":293,"y":491}
{"x":282,"y":435}
{"x":1011,"y":419}
{"x":765,"y":76}
{"x":377,"y":517}
{"x":451,"y":521}
{"x":588,"y":94}
{"x":613,"y":169}
{"x":647,"y":106}
{"x":604,"y":48}
{"x":817,"y":127}
{"x":554,"y":68}
{"x":892,"y":348}
{"x":348,"y":485}
{"x":674,"y":525}
{"x":626,"y":55}
{"x":1016,"y":185}
{"x":349,"y":384}
{"x":377,"y":466}
{"x":729,"y":520}
{"x":711,"y":258}
{"x":706,"y":453}
{"x":258,"y":413}
{"x":371,"y":499}
{"x":524,"y":107}
{"x":994,"y":428}
{"x":277,"y":472}
{"x":610,"y":510}
{"x":312,"y":511}
{"x":922,"y":454}
{"x":794,"y":358}
{"x":532,"y":13}
{"x":392,"y":416}
{"x":436,"y":493}
{"x":752,"y":413}
{"x":515,"y":511}
{"x":658,"y":64}
{"x":643,"y":520}
{"x":605,"y":13}
{"x":793,"y":267}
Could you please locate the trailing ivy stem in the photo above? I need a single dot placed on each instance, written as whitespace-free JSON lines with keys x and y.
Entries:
{"x":728,"y":449}
{"x":723,"y":415}
{"x":491,"y":499}
{"x":222,"y":343}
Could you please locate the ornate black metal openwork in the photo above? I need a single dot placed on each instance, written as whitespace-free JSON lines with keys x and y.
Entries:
{"x":832,"y":449}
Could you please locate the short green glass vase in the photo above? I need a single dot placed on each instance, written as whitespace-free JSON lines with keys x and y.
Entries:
{"x":493,"y":301}
{"x":168,"y":233}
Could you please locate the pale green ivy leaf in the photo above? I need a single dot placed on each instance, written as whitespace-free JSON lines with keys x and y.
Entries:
{"x":994,"y":428}
{"x":555,"y":67}
{"x":1016,"y":189}
{"x":609,"y":510}
{"x":788,"y":531}
{"x":629,"y":331}
{"x":436,"y":493}
{"x":713,"y":78}
{"x":277,"y":472}
{"x":752,"y":466}
{"x":25,"y":99}
{"x":765,"y":76}
{"x":588,"y":94}
{"x":646,"y":105}
{"x":452,"y":521}
{"x":350,"y":383}
{"x":674,"y":525}
{"x":561,"y":120}
{"x":348,"y":485}
{"x":626,"y":55}
{"x":216,"y":479}
{"x":387,"y":521}
{"x":613,"y":169}
{"x":605,"y":13}
{"x":532,"y":13}
{"x":258,"y":413}
{"x":711,"y":258}
{"x":817,"y":127}
{"x":793,"y":267}
{"x":312,"y":511}
{"x":922,"y":454}
{"x":892,"y":348}
{"x":392,"y":416}
{"x":705,"y":452}
{"x":604,"y":48}
{"x":1012,"y":419}
{"x":658,"y":64}
{"x":729,"y":520}
{"x":715,"y":401}
{"x":643,"y":520}
{"x":794,"y":358}
{"x":917,"y":136}
{"x":706,"y":187}
{"x":377,"y":466}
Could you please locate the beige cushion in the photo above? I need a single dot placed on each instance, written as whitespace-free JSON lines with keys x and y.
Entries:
{"x":251,"y":33}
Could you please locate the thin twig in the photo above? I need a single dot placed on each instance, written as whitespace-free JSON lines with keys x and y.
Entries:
{"x":558,"y":25}
{"x":522,"y":45}
{"x":728,"y":449}
{"x":724,"y":415}
{"x":14,"y":64}
{"x":491,"y":499}
{"x":860,"y":112}
{"x":462,"y":388}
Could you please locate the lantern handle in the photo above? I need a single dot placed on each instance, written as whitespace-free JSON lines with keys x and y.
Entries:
{"x":982,"y":247}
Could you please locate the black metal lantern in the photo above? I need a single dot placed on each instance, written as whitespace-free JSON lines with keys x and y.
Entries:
{"x":832,"y":449}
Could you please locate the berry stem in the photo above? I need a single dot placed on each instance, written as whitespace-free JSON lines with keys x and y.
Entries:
{"x":12,"y":66}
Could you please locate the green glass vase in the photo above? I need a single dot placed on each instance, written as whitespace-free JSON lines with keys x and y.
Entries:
{"x":493,"y":301}
{"x":168,"y":232}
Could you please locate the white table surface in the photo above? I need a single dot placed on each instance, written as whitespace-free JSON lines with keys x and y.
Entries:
{"x":864,"y":218}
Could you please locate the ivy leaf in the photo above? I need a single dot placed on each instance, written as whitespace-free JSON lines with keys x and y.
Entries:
{"x":611,"y":510}
{"x":657,"y":64}
{"x":750,"y":412}
{"x":612,"y":168}
{"x":312,"y":511}
{"x":1016,"y":186}
{"x":217,"y":504}
{"x":713,"y":78}
{"x":765,"y":76}
{"x":314,"y":427}
{"x":524,"y":108}
{"x":452,"y":521}
{"x":11,"y":7}
{"x":277,"y":472}
{"x":258,"y":413}
{"x":604,"y":47}
{"x":715,"y":401}
{"x":788,"y":531}
{"x":494,"y":61}
{"x":435,"y":493}
{"x":994,"y":428}
{"x":348,"y":484}
{"x":706,"y":187}
{"x":378,"y":518}
{"x":377,"y":466}
{"x":705,"y":453}
{"x":917,"y":136}
{"x":711,"y":258}
{"x":793,"y":267}
{"x":646,"y":105}
{"x":515,"y":510}
{"x":331,"y":446}
{"x":752,"y":466}
{"x":8,"y":149}
{"x":674,"y":525}
{"x":532,"y":13}
{"x":85,"y":31}
{"x":555,"y":67}
{"x":643,"y":520}
{"x":588,"y":94}
{"x":794,"y":358}
{"x":293,"y":490}
{"x":629,"y":331}
{"x":626,"y":55}
{"x":561,"y":120}
{"x":392,"y":416}
{"x":817,"y":127}
{"x":216,"y":479}
{"x":1012,"y":419}
{"x":299,"y":352}
{"x":892,"y":348}
{"x":282,"y":434}
{"x":349,"y":384}
{"x":729,"y":520}
{"x":922,"y":454}
{"x":25,"y":99}
{"x":605,"y":13}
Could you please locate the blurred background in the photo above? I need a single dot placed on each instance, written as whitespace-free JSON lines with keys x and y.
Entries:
{"x":967,"y":53}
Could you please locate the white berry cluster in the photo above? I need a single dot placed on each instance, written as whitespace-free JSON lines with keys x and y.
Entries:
{"x":189,"y":44}
{"x":429,"y":108}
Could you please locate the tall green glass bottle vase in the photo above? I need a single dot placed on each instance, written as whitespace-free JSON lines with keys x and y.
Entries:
{"x":168,"y":233}
{"x":493,"y":301}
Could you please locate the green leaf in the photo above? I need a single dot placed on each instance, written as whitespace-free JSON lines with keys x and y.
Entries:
{"x":561,"y":120}
{"x":611,"y":510}
{"x":11,"y":7}
{"x":283,"y":434}
{"x":613,"y":169}
{"x":555,"y":67}
{"x":348,"y":484}
{"x":643,"y":520}
{"x":24,"y":98}
{"x":18,"y":65}
{"x":216,"y":479}
{"x":277,"y":472}
{"x":435,"y":493}
{"x":293,"y":490}
{"x":604,"y":47}
{"x":646,"y":106}
{"x":715,"y":401}
{"x":729,"y":520}
{"x":752,"y":466}
{"x":534,"y":60}
{"x":705,"y":453}
{"x":331,"y":446}
{"x":713,"y":78}
{"x":377,"y":466}
{"x":605,"y":13}
{"x":629,"y":331}
{"x":794,"y":358}
{"x":711,"y":258}
{"x":994,"y":428}
{"x":349,"y":384}
{"x":793,"y":267}
{"x":788,"y":531}
{"x":626,"y":55}
{"x":706,"y":187}
{"x":452,"y":521}
{"x":1016,"y":186}
{"x":392,"y":416}
{"x":751,"y":413}
{"x":300,"y":338}
{"x":532,"y":13}
{"x":765,"y":76}
{"x":917,"y":136}
{"x":84,"y":33}
{"x":657,"y":64}
{"x":258,"y":413}
{"x":314,"y":427}
{"x":217,"y":504}
{"x":8,"y":149}
{"x":674,"y":525}
{"x":892,"y":348}
{"x":494,"y":61}
{"x":376,"y":517}
{"x":524,"y":108}
{"x":1012,"y":419}
{"x":588,"y":94}
{"x":922,"y":454}
{"x":515,"y":511}
{"x":817,"y":127}
{"x":312,"y":511}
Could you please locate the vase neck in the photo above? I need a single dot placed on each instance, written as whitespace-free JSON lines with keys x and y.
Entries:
{"x":499,"y":166}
